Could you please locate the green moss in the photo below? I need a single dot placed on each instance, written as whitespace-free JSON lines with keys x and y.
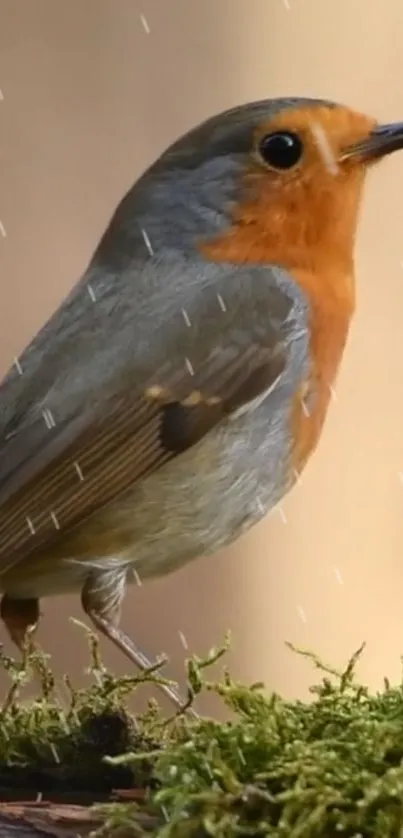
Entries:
{"x":331,"y":767}
{"x":57,"y":743}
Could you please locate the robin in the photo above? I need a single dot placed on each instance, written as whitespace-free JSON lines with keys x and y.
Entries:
{"x":176,"y":394}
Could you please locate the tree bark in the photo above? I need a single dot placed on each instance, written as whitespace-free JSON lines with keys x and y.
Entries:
{"x":27,"y":819}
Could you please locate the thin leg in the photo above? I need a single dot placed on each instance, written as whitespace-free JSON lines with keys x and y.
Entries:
{"x":101,"y":598}
{"x":21,"y":618}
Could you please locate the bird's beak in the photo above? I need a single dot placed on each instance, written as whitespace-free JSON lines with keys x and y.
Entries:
{"x":381,"y":141}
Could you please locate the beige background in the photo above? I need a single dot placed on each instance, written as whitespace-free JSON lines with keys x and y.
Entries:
{"x":89,"y":99}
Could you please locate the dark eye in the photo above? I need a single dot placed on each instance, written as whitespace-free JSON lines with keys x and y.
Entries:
{"x":281,"y":150}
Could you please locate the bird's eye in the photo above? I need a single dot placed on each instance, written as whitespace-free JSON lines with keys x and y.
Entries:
{"x":281,"y":150}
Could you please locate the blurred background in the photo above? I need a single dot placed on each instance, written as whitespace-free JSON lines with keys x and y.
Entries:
{"x":91,"y":93}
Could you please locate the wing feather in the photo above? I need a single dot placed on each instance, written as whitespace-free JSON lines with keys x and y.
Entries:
{"x":152,"y":407}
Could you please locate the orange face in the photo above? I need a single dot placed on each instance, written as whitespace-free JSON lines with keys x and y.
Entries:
{"x":301,"y":215}
{"x":326,"y":133}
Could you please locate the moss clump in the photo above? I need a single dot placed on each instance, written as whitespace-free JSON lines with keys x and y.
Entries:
{"x":57,"y":743}
{"x":332,"y":767}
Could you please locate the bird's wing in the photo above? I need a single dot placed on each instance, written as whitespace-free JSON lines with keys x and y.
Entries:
{"x":55,"y":472}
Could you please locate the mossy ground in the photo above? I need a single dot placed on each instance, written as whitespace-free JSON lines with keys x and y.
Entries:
{"x":331,"y":767}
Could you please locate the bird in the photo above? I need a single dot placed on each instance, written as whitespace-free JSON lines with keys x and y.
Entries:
{"x":177,"y":393}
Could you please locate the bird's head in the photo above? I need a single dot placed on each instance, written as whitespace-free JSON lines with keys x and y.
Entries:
{"x":288,"y":178}
{"x":276,"y":181}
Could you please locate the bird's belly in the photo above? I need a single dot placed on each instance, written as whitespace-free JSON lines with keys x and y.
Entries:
{"x":209,"y":496}
{"x":191,"y":507}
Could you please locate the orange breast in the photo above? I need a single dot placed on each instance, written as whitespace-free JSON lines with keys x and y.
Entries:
{"x":332,"y":302}
{"x":329,"y":288}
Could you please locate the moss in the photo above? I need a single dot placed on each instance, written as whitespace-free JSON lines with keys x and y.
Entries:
{"x":331,"y":767}
{"x":58,"y":744}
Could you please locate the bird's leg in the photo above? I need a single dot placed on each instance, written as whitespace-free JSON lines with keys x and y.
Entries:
{"x":101,"y":598}
{"x":21,"y":618}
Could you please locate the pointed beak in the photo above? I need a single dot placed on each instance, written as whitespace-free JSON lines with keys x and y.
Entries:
{"x":381,"y":141}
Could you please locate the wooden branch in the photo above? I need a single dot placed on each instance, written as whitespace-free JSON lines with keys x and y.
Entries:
{"x":57,"y":820}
